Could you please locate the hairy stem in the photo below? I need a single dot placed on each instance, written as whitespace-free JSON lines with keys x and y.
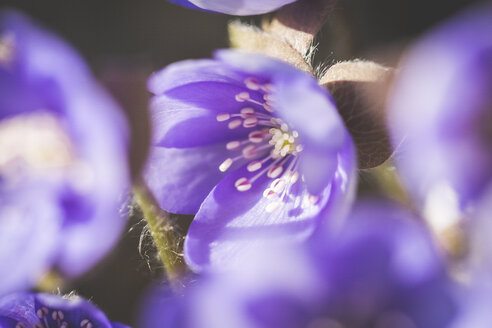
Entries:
{"x":162,"y":231}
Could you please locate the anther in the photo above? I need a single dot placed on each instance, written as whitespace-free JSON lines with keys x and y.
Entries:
{"x":20,"y":325}
{"x":268,"y":108}
{"x":267,"y":87}
{"x":249,"y":151}
{"x":247,"y":112}
{"x":242,"y":184}
{"x":242,"y":97}
{"x":275,"y":171}
{"x":223,"y":117}
{"x":277,"y":185}
{"x":234,"y":124}
{"x":86,"y":324}
{"x":294,"y":177}
{"x":250,"y":122}
{"x":268,"y":97}
{"x":57,"y":315}
{"x":233,"y":145}
{"x":269,"y":193}
{"x":272,"y":207}
{"x":226,"y":165}
{"x":256,"y":136}
{"x":252,"y":83}
{"x":254,"y":166}
{"x":42,"y":312}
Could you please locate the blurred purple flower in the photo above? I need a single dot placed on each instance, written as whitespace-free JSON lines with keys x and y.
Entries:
{"x":289,"y":158}
{"x":235,"y":7}
{"x":381,"y":271}
{"x":62,"y":158}
{"x":26,"y":310}
{"x":440,"y":112}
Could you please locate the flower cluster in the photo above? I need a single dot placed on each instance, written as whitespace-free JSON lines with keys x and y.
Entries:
{"x":262,"y":155}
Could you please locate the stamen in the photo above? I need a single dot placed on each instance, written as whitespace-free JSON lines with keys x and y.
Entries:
{"x":242,"y":184}
{"x":247,"y":112}
{"x":250,"y":151}
{"x":257,"y":136}
{"x":252,"y":83}
{"x":250,"y":122}
{"x":242,"y":97}
{"x":86,"y":324}
{"x":57,"y":315}
{"x":275,"y":171}
{"x":269,"y":194}
{"x":233,"y":145}
{"x":226,"y":164}
{"x":277,"y":185}
{"x":234,"y":124}
{"x":20,"y":325}
{"x":223,"y":117}
{"x":254,"y":166}
{"x":272,"y":207}
{"x":42,"y":312}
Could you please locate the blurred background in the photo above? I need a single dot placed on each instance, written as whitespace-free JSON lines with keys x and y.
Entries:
{"x":124,"y":41}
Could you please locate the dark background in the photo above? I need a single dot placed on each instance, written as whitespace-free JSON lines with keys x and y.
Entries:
{"x":125,"y":40}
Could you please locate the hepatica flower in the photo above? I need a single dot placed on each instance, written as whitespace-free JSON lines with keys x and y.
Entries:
{"x":25,"y":310}
{"x":235,"y":7}
{"x":62,"y":158}
{"x":440,"y":112}
{"x":381,"y":271}
{"x":251,"y":145}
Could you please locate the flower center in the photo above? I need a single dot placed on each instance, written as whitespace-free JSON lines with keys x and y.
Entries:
{"x":271,"y":146}
{"x":36,"y":145}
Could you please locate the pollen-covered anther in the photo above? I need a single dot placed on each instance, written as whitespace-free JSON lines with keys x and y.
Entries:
{"x":234,"y":124}
{"x":242,"y":97}
{"x":226,"y":165}
{"x":86,"y":323}
{"x":242,"y":184}
{"x":223,"y":117}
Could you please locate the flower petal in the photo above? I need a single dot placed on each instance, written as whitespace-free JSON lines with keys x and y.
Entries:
{"x":193,"y":122}
{"x":29,"y":226}
{"x":229,"y":221}
{"x":180,"y":179}
{"x":241,"y":7}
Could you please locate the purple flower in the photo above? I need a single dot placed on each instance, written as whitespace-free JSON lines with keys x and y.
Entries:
{"x":62,"y":158}
{"x":235,"y":7}
{"x":381,"y":271}
{"x":27,"y":310}
{"x":251,"y":145}
{"x":441,"y":111}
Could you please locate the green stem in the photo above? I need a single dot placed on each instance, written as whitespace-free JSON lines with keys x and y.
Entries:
{"x":162,"y":231}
